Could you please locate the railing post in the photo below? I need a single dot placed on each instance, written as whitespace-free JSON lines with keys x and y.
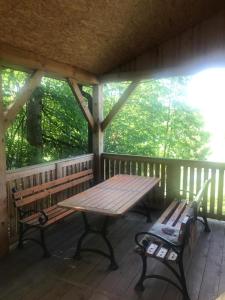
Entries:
{"x":4,"y":238}
{"x":58,"y":169}
{"x":97,"y":131}
{"x":173,"y":182}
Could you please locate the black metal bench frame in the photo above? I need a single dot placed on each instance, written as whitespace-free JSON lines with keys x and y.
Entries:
{"x":143,"y":239}
{"x":43,"y":217}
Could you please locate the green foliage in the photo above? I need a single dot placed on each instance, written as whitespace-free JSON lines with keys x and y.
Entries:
{"x":64,"y":128}
{"x":155,"y":121}
{"x":16,"y":144}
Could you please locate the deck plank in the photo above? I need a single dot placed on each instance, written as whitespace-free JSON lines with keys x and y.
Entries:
{"x":25,"y":275}
{"x":221,"y":289}
{"x":212,"y":273}
{"x":197,"y":265}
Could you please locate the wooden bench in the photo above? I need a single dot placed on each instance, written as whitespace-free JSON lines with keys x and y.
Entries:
{"x":32,"y":214}
{"x":166,"y":239}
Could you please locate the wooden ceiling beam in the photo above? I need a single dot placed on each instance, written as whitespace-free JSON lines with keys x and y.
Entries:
{"x":116,"y":108}
{"x":23,"y":96}
{"x":28,"y":61}
{"x":80,"y":99}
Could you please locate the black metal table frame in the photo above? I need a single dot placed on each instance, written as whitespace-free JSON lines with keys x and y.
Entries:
{"x":144,"y":209}
{"x":102,"y":231}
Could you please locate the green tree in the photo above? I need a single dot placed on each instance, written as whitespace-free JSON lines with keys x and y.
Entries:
{"x":156,"y":121}
{"x":50,"y":126}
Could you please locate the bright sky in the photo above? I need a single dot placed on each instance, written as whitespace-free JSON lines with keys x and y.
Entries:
{"x":206,"y":91}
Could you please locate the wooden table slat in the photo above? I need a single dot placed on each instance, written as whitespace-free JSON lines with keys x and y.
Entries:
{"x":112,"y":197}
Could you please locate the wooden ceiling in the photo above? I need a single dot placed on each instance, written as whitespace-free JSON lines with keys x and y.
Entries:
{"x":97,"y":36}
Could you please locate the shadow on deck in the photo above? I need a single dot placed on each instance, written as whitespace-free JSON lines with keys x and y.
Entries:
{"x":24,"y":274}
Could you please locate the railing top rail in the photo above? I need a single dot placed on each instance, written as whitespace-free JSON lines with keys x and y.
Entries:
{"x":181,"y":162}
{"x":75,"y":159}
{"x":44,"y":167}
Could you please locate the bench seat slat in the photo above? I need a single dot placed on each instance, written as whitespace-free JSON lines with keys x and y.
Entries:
{"x":55,"y":215}
{"x":48,"y":210}
{"x":167,"y":212}
{"x":60,"y":217}
{"x":169,"y":226}
{"x":186,"y":212}
{"x":50,"y":213}
{"x":177,"y":213}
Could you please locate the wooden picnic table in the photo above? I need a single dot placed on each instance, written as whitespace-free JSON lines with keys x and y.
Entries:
{"x":111,"y":198}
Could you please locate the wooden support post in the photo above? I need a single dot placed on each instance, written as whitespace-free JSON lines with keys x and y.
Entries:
{"x":4,"y":238}
{"x":90,"y":131}
{"x":116,"y":108}
{"x":173,"y":182}
{"x":23,"y":96}
{"x":80,"y":99}
{"x":97,"y":132}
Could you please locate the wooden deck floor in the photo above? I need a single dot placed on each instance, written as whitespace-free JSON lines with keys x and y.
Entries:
{"x":24,"y":274}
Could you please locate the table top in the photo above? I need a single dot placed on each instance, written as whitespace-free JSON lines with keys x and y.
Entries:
{"x":114,"y":196}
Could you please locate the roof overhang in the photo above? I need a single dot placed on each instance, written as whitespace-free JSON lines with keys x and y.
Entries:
{"x":111,"y":40}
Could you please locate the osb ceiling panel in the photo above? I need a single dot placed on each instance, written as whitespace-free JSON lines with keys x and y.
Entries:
{"x":97,"y":35}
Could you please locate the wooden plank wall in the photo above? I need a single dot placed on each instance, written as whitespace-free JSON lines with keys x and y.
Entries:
{"x":201,"y":46}
{"x":179,"y":178}
{"x":30,"y":176}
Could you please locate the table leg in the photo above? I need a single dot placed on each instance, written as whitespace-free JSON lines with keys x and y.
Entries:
{"x":103,"y":233}
{"x":143,"y":209}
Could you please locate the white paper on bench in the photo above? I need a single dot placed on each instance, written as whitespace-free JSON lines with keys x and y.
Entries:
{"x":162,"y":252}
{"x":152,"y":248}
{"x":172,"y":256}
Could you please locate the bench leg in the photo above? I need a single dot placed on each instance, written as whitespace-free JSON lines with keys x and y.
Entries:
{"x":182,"y":287}
{"x":205,"y":223}
{"x":23,"y":230}
{"x":139,"y":286}
{"x":21,"y":234}
{"x":43,"y":244}
{"x":207,"y":229}
{"x":183,"y":279}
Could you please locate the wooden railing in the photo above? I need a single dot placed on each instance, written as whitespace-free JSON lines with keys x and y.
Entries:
{"x":179,"y":178}
{"x":37,"y":174}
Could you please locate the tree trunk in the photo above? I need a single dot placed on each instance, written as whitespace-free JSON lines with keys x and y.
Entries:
{"x":90,"y":133}
{"x":34,"y":128}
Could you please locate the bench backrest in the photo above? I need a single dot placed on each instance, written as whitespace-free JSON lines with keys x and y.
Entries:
{"x":193,"y":207}
{"x":173,"y":222}
{"x":200,"y":195}
{"x":38,"y":192}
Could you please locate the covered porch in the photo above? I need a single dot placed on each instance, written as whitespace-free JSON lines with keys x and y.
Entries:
{"x":113,"y":41}
{"x":26,"y":275}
